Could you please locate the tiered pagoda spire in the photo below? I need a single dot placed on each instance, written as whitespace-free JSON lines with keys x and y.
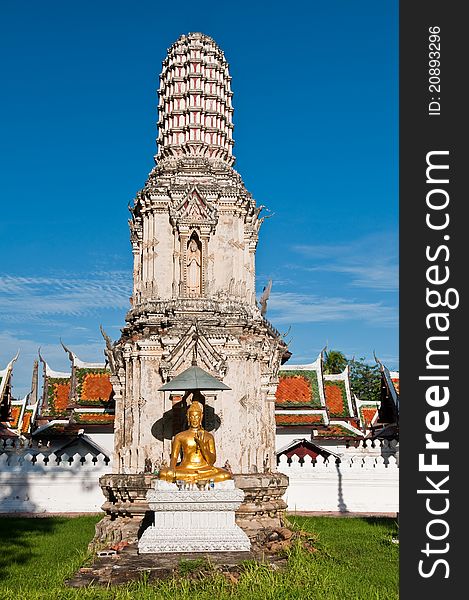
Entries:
{"x":195,"y":110}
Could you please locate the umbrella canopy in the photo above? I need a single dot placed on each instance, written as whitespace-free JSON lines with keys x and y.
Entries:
{"x":193,"y":378}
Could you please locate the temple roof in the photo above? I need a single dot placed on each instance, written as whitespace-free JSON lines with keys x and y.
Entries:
{"x":297,"y":418}
{"x":80,"y":398}
{"x":11,"y":411}
{"x":301,"y":386}
{"x":338,"y":394}
{"x":5,"y":389}
{"x":302,"y":448}
{"x":308,"y":398}
{"x":388,"y":412}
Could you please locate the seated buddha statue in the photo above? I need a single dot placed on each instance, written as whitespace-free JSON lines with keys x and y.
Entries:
{"x":198,"y":452}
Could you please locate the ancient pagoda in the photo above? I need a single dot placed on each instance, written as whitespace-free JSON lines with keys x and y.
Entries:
{"x":194,"y":231}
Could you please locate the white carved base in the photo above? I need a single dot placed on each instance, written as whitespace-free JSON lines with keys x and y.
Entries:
{"x":188,"y":520}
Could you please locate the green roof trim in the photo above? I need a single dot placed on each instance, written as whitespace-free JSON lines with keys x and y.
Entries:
{"x":295,"y":420}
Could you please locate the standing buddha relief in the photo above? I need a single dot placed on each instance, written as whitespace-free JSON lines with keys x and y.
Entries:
{"x":194,"y":267}
{"x":194,"y":219}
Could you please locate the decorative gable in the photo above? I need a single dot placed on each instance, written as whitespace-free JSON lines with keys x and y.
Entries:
{"x":339,"y":395}
{"x":368,"y":414}
{"x":57,"y":388}
{"x":193,"y":210}
{"x":193,"y":343}
{"x":5,"y":390}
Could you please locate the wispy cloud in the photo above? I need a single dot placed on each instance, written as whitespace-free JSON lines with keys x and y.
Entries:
{"x":290,"y":307}
{"x":38,"y":298}
{"x":371,"y":262}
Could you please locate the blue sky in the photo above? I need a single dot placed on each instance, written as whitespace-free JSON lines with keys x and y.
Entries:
{"x":316,"y":140}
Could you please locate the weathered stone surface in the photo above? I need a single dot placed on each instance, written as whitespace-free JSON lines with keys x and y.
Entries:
{"x":263,"y":506}
{"x":128,"y":566}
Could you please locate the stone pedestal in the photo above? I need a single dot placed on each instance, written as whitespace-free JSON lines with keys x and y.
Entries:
{"x":193,"y":520}
{"x":263,"y":506}
{"x":127,"y":512}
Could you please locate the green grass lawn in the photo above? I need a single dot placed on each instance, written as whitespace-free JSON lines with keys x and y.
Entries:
{"x":355,"y":560}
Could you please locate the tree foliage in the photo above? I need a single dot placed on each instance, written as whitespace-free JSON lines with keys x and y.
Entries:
{"x":365,"y":380}
{"x":334,"y":362}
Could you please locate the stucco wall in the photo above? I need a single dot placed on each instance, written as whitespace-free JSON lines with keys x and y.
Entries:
{"x":363,"y":480}
{"x":34,"y":480}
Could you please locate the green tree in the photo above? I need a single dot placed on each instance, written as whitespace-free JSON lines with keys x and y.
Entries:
{"x":365,"y":380}
{"x":334,"y":362}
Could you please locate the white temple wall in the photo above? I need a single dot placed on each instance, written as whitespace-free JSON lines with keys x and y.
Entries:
{"x":364,"y":481}
{"x":43,"y":486}
{"x":104,"y":441}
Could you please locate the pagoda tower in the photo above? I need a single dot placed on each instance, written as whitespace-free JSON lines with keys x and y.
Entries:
{"x":194,"y":231}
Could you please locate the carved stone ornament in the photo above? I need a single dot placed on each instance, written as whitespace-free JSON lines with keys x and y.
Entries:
{"x":182,"y":354}
{"x":193,"y":211}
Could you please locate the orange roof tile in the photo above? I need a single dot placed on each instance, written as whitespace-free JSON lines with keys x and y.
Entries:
{"x":368,"y":414}
{"x":60,"y":396}
{"x":14,"y":416}
{"x":336,"y":431}
{"x":26,"y":421}
{"x":336,"y":399}
{"x":296,"y":388}
{"x":295,"y":419}
{"x":93,"y":418}
{"x":96,"y":386}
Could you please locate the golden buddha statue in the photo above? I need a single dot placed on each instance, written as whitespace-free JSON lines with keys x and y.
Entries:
{"x":198,"y":452}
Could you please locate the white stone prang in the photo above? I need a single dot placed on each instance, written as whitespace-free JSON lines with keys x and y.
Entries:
{"x":184,"y":297}
{"x":193,"y":520}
